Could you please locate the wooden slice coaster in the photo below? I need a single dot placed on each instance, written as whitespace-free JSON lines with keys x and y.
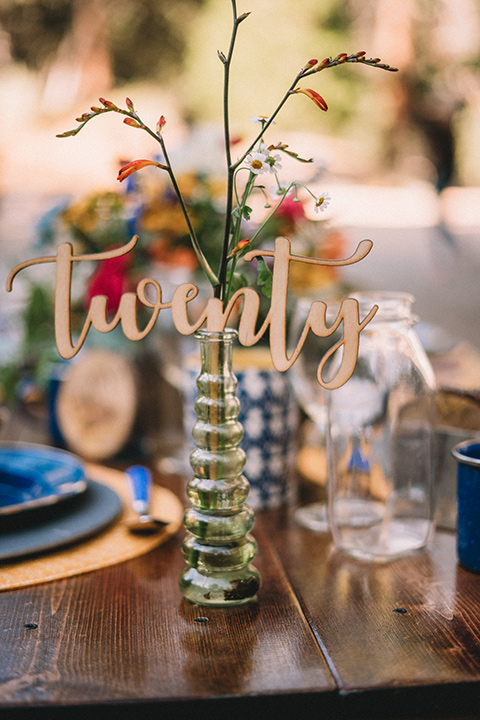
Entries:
{"x":97,"y":404}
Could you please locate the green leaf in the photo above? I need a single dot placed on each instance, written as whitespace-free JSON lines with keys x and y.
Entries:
{"x":238,"y":281}
{"x":246,"y":212}
{"x":265,"y":277}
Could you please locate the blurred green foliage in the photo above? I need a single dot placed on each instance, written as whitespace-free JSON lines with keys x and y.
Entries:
{"x":37,"y":353}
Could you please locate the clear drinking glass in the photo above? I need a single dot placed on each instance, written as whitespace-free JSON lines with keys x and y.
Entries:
{"x":379,"y":438}
{"x":312,"y":398}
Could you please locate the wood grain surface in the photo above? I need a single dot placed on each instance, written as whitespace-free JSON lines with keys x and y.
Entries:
{"x":126,"y":634}
{"x":329,"y":638}
{"x":408,"y":629}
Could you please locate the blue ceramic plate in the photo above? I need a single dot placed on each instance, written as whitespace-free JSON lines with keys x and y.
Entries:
{"x":32,"y":476}
{"x":52,"y":527}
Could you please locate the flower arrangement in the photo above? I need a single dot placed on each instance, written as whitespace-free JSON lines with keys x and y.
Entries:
{"x":245,"y":175}
{"x":107,"y":219}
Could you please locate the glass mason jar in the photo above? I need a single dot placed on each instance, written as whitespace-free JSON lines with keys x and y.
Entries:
{"x":218,"y":548}
{"x":380,"y":438}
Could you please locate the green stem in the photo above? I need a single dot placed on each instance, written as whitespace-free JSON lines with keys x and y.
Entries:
{"x":270,"y":120}
{"x":241,"y":208}
{"x":222,"y":271}
{"x":229,"y":284}
{"x":269,"y":216}
{"x":195,"y":244}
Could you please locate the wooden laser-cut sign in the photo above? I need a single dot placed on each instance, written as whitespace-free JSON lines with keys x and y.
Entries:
{"x":214,"y":316}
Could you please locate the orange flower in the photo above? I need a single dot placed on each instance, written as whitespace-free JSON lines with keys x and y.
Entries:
{"x":132,"y":167}
{"x":317,"y":99}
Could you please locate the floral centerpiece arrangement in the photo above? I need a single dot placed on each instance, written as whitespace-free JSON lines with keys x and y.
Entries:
{"x":246,"y":174}
{"x":218,"y":548}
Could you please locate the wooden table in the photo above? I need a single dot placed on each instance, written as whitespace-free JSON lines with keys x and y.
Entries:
{"x":329,"y":638}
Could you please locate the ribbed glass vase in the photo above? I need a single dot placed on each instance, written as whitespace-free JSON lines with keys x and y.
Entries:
{"x":218,"y":548}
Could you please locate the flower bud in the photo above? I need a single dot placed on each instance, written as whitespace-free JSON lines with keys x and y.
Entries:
{"x":133,"y":123}
{"x":68,"y":133}
{"x":161,"y":124}
{"x":129,"y":104}
{"x":108,"y":104}
{"x":310,"y":64}
{"x":241,"y":245}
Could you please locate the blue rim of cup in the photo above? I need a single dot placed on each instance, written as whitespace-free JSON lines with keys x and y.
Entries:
{"x":459,"y":452}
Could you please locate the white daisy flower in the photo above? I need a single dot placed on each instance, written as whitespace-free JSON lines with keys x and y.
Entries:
{"x":280,"y":190}
{"x":261,"y":119}
{"x":322,"y":202}
{"x":275,"y":162}
{"x":257,"y":162}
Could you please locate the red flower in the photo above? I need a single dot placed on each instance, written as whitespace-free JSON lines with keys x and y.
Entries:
{"x":132,"y":167}
{"x":317,"y":99}
{"x":111,"y":279}
{"x":290,"y":209}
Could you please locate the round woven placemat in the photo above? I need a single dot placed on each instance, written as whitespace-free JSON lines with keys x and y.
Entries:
{"x":114,"y":545}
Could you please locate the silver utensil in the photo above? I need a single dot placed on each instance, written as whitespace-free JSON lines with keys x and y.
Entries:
{"x":140,"y":484}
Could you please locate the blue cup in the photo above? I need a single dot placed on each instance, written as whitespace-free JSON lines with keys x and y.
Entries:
{"x":467,"y":455}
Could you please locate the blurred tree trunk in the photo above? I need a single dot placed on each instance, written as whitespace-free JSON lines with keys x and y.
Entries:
{"x":81,"y":69}
{"x":434,"y":43}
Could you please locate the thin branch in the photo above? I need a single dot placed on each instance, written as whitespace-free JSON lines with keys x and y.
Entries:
{"x":269,"y":122}
{"x":222,"y":271}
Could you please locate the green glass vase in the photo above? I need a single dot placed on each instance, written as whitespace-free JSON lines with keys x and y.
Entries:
{"x":218,"y":547}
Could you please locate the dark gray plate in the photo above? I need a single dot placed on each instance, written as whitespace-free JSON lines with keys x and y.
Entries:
{"x":52,"y":527}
